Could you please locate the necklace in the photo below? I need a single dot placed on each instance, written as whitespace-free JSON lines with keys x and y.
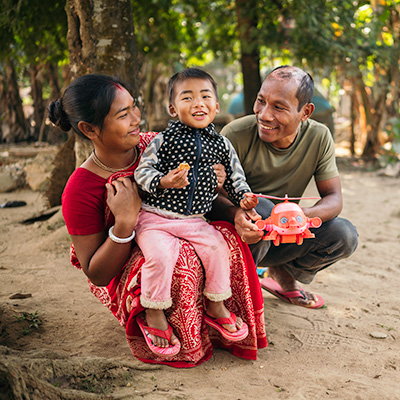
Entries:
{"x":109,"y":169}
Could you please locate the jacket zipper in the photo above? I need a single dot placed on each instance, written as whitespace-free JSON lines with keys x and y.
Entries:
{"x":193,"y":183}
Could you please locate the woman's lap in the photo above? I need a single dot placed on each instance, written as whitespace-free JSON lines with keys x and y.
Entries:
{"x":121,"y":296}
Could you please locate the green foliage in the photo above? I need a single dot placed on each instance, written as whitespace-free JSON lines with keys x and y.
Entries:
{"x":35,"y":32}
{"x":33,"y":320}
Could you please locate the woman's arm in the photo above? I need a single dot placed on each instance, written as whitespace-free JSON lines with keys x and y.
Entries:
{"x":102,"y":259}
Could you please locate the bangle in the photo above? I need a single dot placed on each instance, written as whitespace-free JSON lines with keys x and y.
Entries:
{"x":117,"y":239}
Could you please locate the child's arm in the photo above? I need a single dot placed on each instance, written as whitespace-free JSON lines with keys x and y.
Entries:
{"x":147,"y":175}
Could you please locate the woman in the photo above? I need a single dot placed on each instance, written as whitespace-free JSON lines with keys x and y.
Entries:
{"x":100,"y":208}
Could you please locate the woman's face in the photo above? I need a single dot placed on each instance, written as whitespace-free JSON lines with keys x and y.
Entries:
{"x":121,"y":125}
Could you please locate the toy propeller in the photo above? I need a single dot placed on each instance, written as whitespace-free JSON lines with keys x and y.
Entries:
{"x":286,"y":197}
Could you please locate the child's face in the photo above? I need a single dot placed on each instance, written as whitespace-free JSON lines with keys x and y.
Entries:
{"x":195,"y":103}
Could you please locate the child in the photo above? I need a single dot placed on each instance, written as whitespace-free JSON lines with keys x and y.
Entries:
{"x":176,"y":171}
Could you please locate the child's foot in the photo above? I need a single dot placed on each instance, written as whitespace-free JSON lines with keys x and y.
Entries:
{"x":156,"y":319}
{"x":217,"y":309}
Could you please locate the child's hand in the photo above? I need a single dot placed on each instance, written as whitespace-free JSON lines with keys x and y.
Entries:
{"x":174,"y":179}
{"x":249,"y":201}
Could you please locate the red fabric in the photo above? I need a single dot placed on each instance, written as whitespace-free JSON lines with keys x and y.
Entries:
{"x":83,"y":199}
{"x":121,"y":296}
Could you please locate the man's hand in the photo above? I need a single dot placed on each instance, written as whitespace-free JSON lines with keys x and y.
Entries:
{"x":245,"y":228}
{"x":248,"y":202}
{"x":174,"y":179}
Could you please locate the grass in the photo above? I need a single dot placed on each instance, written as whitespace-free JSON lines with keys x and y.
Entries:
{"x":33,"y":320}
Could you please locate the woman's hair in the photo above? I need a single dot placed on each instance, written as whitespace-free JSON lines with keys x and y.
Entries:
{"x":88,"y":98}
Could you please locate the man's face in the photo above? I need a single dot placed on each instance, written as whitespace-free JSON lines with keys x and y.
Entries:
{"x":276,"y":110}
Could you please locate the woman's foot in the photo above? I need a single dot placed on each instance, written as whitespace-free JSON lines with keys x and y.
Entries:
{"x":288,"y":283}
{"x":156,"y":319}
{"x":217,"y":309}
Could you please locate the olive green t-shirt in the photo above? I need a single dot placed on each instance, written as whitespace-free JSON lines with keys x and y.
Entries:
{"x":277,"y":172}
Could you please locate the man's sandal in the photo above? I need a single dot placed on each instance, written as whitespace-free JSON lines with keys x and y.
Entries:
{"x":275,"y":289}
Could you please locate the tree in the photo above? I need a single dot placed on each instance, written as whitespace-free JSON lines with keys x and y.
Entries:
{"x":32,"y":36}
{"x":101,"y":39}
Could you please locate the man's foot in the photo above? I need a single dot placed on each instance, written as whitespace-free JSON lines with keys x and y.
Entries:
{"x":289,"y":284}
{"x":217,"y":309}
{"x":156,"y":319}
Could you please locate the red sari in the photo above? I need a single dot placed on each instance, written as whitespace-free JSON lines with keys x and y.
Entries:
{"x":185,"y":316}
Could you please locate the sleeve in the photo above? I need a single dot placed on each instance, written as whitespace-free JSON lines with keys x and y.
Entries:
{"x":83,"y":205}
{"x":326,"y":167}
{"x":235,"y":183}
{"x":146,"y":175}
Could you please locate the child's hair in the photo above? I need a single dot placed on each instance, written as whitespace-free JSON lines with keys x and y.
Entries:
{"x":189,"y":73}
{"x":88,"y":98}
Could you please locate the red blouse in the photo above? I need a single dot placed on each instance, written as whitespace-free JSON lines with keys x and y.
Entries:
{"x":83,"y":199}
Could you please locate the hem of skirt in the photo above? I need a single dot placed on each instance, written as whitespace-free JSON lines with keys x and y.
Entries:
{"x":178,"y":364}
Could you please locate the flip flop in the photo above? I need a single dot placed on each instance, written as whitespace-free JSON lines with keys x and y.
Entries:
{"x":217,"y":323}
{"x":170,"y":351}
{"x":275,"y":289}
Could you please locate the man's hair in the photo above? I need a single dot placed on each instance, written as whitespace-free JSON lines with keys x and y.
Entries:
{"x":189,"y":73}
{"x":305,"y":90}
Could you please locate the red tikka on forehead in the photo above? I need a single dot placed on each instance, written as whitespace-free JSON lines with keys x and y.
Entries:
{"x":116,"y":84}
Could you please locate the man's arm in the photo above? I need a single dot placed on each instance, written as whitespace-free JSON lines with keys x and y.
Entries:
{"x":224,"y":209}
{"x":331,"y":202}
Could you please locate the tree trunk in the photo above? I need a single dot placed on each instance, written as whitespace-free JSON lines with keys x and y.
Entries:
{"x":372,"y":145}
{"x":37,"y":97}
{"x":101,"y":39}
{"x":13,"y":127}
{"x":54,"y":82}
{"x":55,"y":93}
{"x":246,"y":11}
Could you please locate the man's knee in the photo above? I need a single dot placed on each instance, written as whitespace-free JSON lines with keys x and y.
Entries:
{"x":264,"y":207}
{"x":345,"y":233}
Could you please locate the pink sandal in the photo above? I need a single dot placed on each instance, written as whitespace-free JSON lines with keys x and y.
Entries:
{"x":170,"y":351}
{"x":275,"y":289}
{"x":217,"y":323}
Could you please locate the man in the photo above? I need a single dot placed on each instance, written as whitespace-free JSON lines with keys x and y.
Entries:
{"x":281,"y":149}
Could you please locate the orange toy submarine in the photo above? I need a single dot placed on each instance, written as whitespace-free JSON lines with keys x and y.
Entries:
{"x":287,"y":222}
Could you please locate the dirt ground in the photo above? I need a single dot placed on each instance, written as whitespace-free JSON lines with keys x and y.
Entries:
{"x":58,"y":342}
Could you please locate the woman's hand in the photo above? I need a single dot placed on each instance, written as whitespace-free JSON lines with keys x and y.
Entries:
{"x":245,"y":228}
{"x":220,"y":172}
{"x":124,"y":201}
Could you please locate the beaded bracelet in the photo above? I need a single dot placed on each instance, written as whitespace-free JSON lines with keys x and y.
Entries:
{"x":117,"y":239}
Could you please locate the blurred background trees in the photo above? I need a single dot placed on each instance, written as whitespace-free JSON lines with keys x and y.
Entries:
{"x":350,"y":47}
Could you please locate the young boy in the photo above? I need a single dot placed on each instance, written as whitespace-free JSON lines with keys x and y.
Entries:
{"x":176,"y":171}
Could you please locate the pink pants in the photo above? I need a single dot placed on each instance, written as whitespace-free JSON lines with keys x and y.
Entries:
{"x":158,"y":238}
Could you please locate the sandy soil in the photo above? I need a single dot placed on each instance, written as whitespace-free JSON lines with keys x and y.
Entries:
{"x":348,"y":350}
